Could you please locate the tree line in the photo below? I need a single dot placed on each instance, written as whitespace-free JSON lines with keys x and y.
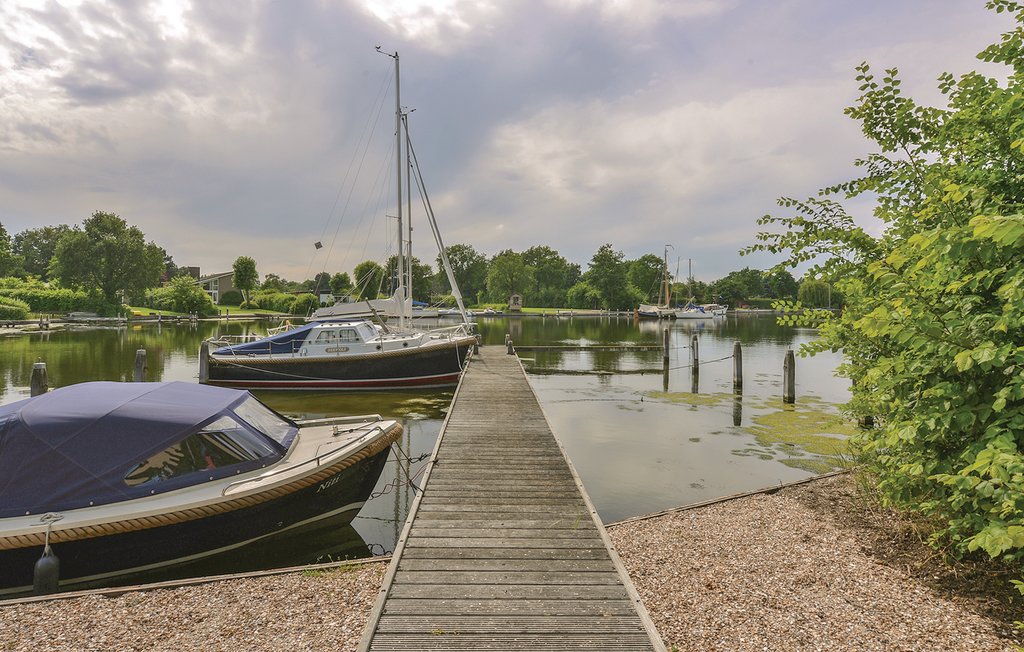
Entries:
{"x":111,"y":261}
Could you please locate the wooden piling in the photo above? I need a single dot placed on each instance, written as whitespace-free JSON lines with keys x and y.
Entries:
{"x":508,"y":343}
{"x":694,"y":350}
{"x":789,"y":378}
{"x":737,"y":368}
{"x":39,"y":384}
{"x":141,"y":368}
{"x":664,"y":348}
{"x":204,"y":361}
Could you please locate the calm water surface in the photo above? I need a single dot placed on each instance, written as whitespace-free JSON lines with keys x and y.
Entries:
{"x":640,"y":439}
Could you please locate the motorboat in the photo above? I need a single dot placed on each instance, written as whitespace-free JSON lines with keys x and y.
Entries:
{"x":354,"y":355}
{"x":716,"y":309}
{"x":692,"y":311}
{"x":116,"y":479}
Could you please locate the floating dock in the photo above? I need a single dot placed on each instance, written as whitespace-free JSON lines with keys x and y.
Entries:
{"x":502,"y":549}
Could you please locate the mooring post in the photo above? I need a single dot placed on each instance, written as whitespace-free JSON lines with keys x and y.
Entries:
{"x":476,"y":345}
{"x":140,"y":366}
{"x":737,"y":368}
{"x":664,"y":348}
{"x":511,"y":349}
{"x":39,"y":383}
{"x":789,"y":378}
{"x":694,"y":350}
{"x":204,"y":361}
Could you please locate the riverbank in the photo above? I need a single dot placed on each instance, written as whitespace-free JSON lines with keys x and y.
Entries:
{"x":810,"y":567}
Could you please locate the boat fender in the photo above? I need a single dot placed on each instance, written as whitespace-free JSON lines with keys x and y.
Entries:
{"x":46,"y":573}
{"x":303,"y":351}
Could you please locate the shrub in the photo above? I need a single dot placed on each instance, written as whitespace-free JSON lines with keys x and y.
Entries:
{"x":230,"y":298}
{"x":274,"y":300}
{"x":43,"y":299}
{"x":13,"y":308}
{"x":181,"y":294}
{"x":304,"y":304}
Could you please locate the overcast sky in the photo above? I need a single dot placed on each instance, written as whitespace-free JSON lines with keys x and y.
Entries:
{"x":257,"y":128}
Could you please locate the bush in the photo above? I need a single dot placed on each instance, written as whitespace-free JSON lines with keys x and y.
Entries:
{"x":250,"y":305}
{"x":274,"y":300}
{"x":43,"y":299}
{"x":181,"y":295}
{"x":13,"y":308}
{"x":304,"y":304}
{"x":230,"y":298}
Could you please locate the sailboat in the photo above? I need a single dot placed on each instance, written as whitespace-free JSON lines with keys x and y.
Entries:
{"x":663,"y":309}
{"x":692,"y":310}
{"x":342,"y":347}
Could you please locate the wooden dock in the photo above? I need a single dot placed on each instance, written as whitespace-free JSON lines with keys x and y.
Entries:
{"x":502,"y":549}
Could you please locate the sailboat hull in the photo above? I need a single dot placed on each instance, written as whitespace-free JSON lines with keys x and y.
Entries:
{"x":432,"y":366}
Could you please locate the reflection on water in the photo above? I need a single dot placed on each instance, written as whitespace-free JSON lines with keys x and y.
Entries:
{"x":643,"y":438}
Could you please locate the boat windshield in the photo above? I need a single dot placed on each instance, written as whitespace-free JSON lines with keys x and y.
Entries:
{"x":221,"y":443}
{"x":265,"y":420}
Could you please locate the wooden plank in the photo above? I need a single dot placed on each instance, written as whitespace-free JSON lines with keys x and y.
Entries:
{"x":502,"y":549}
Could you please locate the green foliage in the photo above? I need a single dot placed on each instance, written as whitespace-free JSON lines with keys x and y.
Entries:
{"x":422,"y":277}
{"x":181,"y":294}
{"x":274,"y":300}
{"x":341,"y":284}
{"x":583,"y":296}
{"x":815,"y":293}
{"x":304,"y":304}
{"x":507,"y":274}
{"x":369,"y":279}
{"x":11,"y":308}
{"x":469,"y":269}
{"x":37,"y":246}
{"x":780,"y":284}
{"x":245,"y":276}
{"x":230,"y":298}
{"x":553,"y":275}
{"x":108,"y":255}
{"x":10,"y":263}
{"x":274,"y":282}
{"x":43,"y":299}
{"x":736,"y":288}
{"x":935,"y":306}
{"x":607,"y":275}
{"x":646,"y":273}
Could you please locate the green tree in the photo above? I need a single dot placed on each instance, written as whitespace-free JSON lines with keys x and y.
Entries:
{"x":341,"y":284}
{"x":107,"y":255}
{"x":369,"y":279}
{"x":10,"y":263}
{"x":507,"y":274}
{"x":37,"y":246}
{"x":647,"y":273}
{"x":422,"y":277}
{"x":607,"y":274}
{"x":583,"y":295}
{"x":273,"y":282}
{"x":182,"y":294}
{"x":553,"y":275}
{"x":737,"y":287}
{"x":245,"y":277}
{"x":780,"y":284}
{"x":815,"y":293}
{"x":934,"y":310}
{"x":469,"y":269}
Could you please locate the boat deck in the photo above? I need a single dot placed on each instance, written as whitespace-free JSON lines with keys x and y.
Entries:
{"x":502,"y":549}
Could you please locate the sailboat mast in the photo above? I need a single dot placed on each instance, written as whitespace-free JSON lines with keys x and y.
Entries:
{"x":408,"y":213}
{"x":400,"y":263}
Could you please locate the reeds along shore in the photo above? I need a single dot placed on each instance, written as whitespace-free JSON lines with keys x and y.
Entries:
{"x":793,"y":570}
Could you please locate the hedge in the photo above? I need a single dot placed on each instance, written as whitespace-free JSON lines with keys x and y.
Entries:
{"x":13,"y":308}
{"x":55,"y":300}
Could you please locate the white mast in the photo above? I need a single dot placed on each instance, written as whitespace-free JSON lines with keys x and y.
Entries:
{"x":400,"y":262}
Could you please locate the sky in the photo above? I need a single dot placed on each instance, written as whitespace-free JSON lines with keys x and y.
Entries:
{"x":257,"y":128}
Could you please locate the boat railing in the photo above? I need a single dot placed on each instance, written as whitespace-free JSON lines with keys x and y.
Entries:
{"x":312,"y":460}
{"x":448,"y":332}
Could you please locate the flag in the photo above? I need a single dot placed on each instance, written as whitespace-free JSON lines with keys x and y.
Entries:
{"x":318,"y":245}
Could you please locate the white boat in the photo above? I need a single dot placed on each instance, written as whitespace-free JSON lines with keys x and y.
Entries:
{"x":716,"y":309}
{"x":102,"y":480}
{"x":691,"y":311}
{"x":342,"y":348}
{"x":662,"y":309}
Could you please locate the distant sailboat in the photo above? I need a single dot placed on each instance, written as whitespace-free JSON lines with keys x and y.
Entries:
{"x":663,"y":309}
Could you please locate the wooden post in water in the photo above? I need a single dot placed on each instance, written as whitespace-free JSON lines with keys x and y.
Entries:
{"x":737,"y":368}
{"x":39,"y":383}
{"x":140,"y":366}
{"x":664,"y":348}
{"x":789,"y":378}
{"x":694,"y":349}
{"x":204,"y":361}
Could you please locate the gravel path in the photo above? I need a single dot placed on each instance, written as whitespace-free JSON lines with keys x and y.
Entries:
{"x":767,"y":572}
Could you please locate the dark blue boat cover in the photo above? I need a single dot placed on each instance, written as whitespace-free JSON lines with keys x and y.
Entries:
{"x":72,"y":447}
{"x":289,"y":341}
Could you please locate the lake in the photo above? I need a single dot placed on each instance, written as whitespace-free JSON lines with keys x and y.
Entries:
{"x":642,"y":440}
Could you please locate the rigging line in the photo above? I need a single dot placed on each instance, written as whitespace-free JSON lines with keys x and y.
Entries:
{"x":344,"y":183}
{"x":375,"y":204}
{"x":381,"y":96}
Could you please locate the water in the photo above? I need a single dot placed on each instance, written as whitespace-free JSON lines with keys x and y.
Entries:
{"x":637,"y":448}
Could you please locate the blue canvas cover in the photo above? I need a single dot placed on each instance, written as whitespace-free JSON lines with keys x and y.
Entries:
{"x":72,"y":447}
{"x":287,"y":342}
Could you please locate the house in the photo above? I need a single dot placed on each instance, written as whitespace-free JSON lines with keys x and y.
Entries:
{"x":217,"y":284}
